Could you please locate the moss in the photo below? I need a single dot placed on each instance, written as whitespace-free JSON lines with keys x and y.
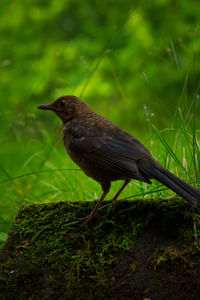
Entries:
{"x":169,"y":259}
{"x":48,"y":256}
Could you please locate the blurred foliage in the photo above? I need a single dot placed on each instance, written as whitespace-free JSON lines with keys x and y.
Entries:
{"x":101,"y":51}
{"x":130,"y":60}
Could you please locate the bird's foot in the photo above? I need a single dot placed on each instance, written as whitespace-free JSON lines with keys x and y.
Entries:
{"x":114,"y":199}
{"x":86,"y":219}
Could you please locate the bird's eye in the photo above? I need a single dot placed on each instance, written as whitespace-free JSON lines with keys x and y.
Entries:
{"x":62,"y":103}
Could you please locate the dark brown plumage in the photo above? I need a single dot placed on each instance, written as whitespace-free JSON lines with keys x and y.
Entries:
{"x":106,"y":153}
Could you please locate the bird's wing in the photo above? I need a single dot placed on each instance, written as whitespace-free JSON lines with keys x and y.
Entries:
{"x":118,"y":153}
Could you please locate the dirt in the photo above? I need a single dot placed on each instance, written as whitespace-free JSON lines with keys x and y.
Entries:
{"x":172,"y":279}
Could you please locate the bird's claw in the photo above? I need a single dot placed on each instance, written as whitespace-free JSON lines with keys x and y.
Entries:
{"x":86,"y":219}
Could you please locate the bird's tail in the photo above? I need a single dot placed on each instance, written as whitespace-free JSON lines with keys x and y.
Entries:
{"x":174,"y":183}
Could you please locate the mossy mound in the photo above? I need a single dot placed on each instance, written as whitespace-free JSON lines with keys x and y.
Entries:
{"x":139,"y":249}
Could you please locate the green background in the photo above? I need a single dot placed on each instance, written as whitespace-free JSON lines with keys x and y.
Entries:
{"x":134,"y":62}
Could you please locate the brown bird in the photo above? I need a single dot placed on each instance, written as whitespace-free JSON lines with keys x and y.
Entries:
{"x":106,"y":153}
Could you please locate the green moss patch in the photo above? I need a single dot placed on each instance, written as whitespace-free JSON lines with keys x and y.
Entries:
{"x":139,"y":249}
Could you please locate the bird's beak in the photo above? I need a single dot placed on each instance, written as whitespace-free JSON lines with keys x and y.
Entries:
{"x":45,"y":106}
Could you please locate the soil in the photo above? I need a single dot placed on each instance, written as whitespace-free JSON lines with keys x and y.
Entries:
{"x":140,"y":249}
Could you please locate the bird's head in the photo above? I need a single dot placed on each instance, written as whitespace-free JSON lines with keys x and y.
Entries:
{"x":66,"y":107}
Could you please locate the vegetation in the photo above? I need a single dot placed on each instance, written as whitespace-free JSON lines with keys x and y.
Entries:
{"x":136,"y":63}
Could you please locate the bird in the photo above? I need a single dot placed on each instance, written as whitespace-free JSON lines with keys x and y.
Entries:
{"x":106,"y":153}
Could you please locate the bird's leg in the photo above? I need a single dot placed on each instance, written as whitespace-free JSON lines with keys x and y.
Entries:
{"x":94,"y":211}
{"x":121,"y":189}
